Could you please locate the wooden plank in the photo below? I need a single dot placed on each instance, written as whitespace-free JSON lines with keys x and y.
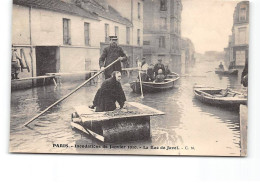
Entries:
{"x":30,"y":78}
{"x":85,"y":110}
{"x":89,"y":132}
{"x":72,"y":73}
{"x":87,"y":114}
{"x":25,"y":59}
{"x":243,"y":129}
{"x":145,"y":107}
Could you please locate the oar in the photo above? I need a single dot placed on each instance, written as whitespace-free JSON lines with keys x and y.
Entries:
{"x":66,"y":96}
{"x":140,"y":80}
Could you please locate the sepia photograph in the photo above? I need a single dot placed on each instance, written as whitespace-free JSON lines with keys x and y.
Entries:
{"x":130,"y":77}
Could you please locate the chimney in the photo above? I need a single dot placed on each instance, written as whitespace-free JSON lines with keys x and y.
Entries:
{"x":79,"y":3}
{"x":103,"y":3}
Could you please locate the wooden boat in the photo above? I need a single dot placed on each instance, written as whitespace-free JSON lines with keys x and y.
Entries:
{"x":149,"y":87}
{"x":219,"y":97}
{"x":123,"y":125}
{"x":226,"y":72}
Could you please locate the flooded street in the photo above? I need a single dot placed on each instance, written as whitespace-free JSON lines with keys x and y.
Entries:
{"x":195,"y":128}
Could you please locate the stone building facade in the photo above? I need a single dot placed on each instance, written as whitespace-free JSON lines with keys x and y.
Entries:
{"x":69,"y":35}
{"x":162,"y":31}
{"x":238,"y":45}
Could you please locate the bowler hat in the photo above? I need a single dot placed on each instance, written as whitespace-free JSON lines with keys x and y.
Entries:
{"x":113,"y":37}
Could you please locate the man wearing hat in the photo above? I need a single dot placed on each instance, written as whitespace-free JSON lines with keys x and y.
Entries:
{"x":15,"y":64}
{"x":144,"y":65}
{"x":158,"y":66}
{"x":109,"y":55}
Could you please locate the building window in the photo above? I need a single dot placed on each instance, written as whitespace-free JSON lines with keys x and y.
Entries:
{"x":106,"y":32}
{"x":163,"y":5}
{"x":242,"y":35}
{"x":242,"y":13}
{"x":128,"y":35}
{"x":138,"y":37}
{"x":117,"y":32}
{"x":240,"y":57}
{"x":146,"y":43}
{"x":162,"y":42}
{"x":66,"y":32}
{"x":139,"y":11}
{"x":163,"y":24}
{"x":86,"y":33}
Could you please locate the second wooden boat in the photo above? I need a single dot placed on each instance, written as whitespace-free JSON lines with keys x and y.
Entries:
{"x":226,"y":72}
{"x":219,"y":97}
{"x":151,"y":87}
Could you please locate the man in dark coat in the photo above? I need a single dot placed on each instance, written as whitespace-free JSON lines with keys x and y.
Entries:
{"x":150,"y":72}
{"x":158,"y":66}
{"x":221,"y":66}
{"x":109,"y":93}
{"x":167,"y":71}
{"x":110,"y":54}
{"x":244,"y":75}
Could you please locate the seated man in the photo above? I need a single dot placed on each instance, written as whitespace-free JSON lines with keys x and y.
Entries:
{"x":160,"y":77}
{"x":150,"y":73}
{"x":109,"y":93}
{"x":231,"y":65}
{"x":158,"y":66}
{"x":167,"y":71}
{"x":221,"y":66}
{"x":144,"y":77}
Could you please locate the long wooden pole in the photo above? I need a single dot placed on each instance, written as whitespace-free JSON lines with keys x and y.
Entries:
{"x":66,"y":96}
{"x":140,"y":80}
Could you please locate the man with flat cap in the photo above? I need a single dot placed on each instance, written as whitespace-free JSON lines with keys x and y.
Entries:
{"x":158,"y":66}
{"x":109,"y":55}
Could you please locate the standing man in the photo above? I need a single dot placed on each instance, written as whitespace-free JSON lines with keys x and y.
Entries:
{"x":221,"y":66}
{"x":15,"y":64}
{"x":231,"y":65}
{"x":244,"y":75}
{"x":110,"y":54}
{"x":144,"y":65}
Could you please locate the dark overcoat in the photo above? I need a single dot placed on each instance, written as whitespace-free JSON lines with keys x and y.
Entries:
{"x":158,"y":66}
{"x":108,"y":94}
{"x":109,"y":55}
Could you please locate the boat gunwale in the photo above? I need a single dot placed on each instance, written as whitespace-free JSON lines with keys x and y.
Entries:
{"x":223,"y":99}
{"x":161,"y":83}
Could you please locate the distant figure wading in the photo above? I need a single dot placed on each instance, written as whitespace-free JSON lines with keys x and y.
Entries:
{"x":15,"y":64}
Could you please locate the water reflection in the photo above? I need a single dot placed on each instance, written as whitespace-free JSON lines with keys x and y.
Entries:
{"x":187,"y":122}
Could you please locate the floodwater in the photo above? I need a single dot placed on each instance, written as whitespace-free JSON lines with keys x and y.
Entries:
{"x":188,"y":127}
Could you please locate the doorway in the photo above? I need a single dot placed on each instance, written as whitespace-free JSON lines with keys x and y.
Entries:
{"x":47,"y":60}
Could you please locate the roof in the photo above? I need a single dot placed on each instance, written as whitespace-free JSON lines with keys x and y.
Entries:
{"x":110,"y":13}
{"x":58,"y":6}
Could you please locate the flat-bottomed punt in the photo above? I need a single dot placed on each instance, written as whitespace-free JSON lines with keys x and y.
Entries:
{"x":151,"y":87}
{"x":219,"y":97}
{"x":123,"y":125}
{"x":226,"y":72}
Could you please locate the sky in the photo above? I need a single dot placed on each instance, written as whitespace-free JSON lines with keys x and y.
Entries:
{"x":208,"y":23}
